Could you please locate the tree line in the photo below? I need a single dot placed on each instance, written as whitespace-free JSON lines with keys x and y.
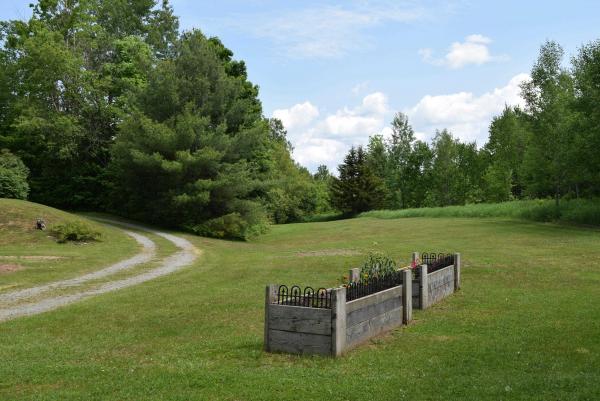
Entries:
{"x":110,"y":107}
{"x":548,"y":148}
{"x":105,"y":105}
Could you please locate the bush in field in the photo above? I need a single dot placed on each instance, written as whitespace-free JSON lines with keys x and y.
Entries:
{"x":13,"y":176}
{"x":74,"y":231}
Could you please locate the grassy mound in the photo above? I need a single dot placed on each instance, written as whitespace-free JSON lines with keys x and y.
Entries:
{"x":35,"y":256}
{"x":579,"y":211}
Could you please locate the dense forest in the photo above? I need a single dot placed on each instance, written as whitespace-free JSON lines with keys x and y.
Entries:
{"x":105,"y":105}
{"x":111,"y":108}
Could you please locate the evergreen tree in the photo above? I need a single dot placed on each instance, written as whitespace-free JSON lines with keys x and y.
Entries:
{"x":357,"y":189}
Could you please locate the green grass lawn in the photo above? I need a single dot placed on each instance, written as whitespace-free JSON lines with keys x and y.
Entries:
{"x":525,"y":326}
{"x":34,"y":257}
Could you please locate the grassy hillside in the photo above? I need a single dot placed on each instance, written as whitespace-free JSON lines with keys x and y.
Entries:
{"x":579,"y":211}
{"x":29,"y":256}
{"x":525,"y":325}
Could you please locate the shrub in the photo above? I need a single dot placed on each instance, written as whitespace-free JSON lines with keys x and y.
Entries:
{"x":233,"y":225}
{"x":13,"y":176}
{"x":75,"y":231}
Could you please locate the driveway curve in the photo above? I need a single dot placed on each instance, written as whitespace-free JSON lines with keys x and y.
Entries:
{"x":186,"y":255}
{"x":146,"y":255}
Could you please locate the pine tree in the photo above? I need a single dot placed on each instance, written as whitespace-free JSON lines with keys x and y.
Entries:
{"x":357,"y":189}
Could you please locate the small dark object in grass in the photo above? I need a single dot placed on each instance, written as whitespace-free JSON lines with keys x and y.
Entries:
{"x":75,"y":231}
{"x":40,"y":224}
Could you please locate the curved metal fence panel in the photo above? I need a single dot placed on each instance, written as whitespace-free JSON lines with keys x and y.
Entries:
{"x":308,"y":297}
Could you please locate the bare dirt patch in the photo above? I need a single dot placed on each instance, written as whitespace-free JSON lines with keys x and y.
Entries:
{"x":32,"y":257}
{"x":329,"y":252}
{"x":9,"y":268}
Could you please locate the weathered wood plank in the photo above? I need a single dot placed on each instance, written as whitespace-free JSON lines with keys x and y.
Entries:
{"x":442,"y":292}
{"x":300,"y":319}
{"x":299,"y":343}
{"x":338,"y":321}
{"x":423,"y":293}
{"x":457,"y":262}
{"x":270,"y":296}
{"x":407,"y":297}
{"x":416,"y":302}
{"x":371,"y":311}
{"x":370,"y":328}
{"x":374,"y":298}
{"x":442,"y":272}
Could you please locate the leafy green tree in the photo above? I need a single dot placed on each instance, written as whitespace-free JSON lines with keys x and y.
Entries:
{"x":379,"y":162}
{"x":400,"y":149}
{"x":323,"y":180}
{"x":586,"y":74}
{"x":505,"y":149}
{"x":357,"y":189}
{"x":548,"y":162}
{"x":71,"y":68}
{"x":418,"y":174}
{"x":13,"y":176}
{"x":444,"y":170}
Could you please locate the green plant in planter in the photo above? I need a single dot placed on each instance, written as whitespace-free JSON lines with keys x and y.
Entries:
{"x":377,"y":265}
{"x":75,"y":231}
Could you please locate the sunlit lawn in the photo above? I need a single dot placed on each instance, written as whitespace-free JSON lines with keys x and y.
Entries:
{"x":525,"y":325}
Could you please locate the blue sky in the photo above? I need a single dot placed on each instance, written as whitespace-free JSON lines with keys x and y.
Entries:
{"x":336,"y":72}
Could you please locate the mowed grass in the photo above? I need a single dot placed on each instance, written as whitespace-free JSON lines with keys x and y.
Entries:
{"x":525,"y":326}
{"x":30,"y":256}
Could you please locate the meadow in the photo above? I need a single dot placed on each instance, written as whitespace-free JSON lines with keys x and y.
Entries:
{"x":525,"y":324}
{"x":576,"y":211}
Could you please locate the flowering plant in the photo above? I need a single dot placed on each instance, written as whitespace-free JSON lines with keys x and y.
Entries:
{"x":415,"y":263}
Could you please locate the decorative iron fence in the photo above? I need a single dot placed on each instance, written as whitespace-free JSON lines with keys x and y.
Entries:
{"x":295,"y":296}
{"x":436,"y":261}
{"x":372,"y":285}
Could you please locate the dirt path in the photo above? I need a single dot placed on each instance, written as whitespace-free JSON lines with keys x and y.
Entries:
{"x":187,"y":254}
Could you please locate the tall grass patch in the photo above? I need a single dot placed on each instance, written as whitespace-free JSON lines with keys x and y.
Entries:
{"x":580,"y":211}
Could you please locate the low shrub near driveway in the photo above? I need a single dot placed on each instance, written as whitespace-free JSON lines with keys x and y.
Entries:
{"x":74,"y":231}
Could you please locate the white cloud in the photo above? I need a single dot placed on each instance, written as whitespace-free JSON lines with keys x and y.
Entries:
{"x":297,"y":116}
{"x":365,"y":119}
{"x":326,"y":31}
{"x":466,"y":115}
{"x":326,"y":140}
{"x":474,"y":50}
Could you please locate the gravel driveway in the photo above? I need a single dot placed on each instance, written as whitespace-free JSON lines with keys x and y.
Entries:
{"x":184,"y":257}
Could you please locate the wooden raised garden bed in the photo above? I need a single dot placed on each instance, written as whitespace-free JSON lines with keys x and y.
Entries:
{"x":330,"y":321}
{"x":324,"y":322}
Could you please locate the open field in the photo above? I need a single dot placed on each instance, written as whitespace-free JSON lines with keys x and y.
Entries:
{"x":525,"y":326}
